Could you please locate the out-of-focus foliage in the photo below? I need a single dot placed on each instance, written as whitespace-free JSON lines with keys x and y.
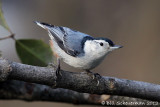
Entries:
{"x":2,"y":19}
{"x":34,"y":52}
{"x":30,"y":51}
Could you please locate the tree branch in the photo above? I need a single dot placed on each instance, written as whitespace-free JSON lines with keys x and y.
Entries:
{"x":76,"y":81}
{"x":35,"y":92}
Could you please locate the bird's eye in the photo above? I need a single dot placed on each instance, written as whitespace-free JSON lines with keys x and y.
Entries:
{"x":101,"y":44}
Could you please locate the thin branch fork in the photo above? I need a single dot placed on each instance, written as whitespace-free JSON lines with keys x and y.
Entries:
{"x":79,"y":82}
{"x":7,"y":37}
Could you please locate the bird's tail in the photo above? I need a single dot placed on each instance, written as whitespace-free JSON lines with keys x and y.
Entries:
{"x":44,"y":25}
{"x":55,"y":32}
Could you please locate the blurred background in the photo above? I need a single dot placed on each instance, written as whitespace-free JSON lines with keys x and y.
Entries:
{"x":135,"y":24}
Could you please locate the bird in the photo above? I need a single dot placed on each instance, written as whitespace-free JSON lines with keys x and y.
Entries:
{"x":77,"y":49}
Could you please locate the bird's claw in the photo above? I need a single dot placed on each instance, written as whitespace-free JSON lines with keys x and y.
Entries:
{"x":95,"y":76}
{"x":58,"y":68}
{"x":58,"y":72}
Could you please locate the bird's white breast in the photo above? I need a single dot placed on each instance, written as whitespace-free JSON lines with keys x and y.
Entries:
{"x":85,"y":62}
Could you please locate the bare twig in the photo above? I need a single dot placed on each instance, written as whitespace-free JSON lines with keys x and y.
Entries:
{"x":7,"y":37}
{"x":80,"y":82}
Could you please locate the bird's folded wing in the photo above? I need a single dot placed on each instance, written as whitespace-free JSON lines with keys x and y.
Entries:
{"x":68,"y":40}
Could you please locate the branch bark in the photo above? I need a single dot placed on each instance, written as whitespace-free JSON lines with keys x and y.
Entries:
{"x":35,"y":92}
{"x":79,"y":82}
{"x":20,"y":90}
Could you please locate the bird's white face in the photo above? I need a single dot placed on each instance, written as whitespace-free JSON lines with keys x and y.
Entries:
{"x":98,"y":48}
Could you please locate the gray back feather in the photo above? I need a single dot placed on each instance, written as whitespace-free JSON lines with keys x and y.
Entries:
{"x":72,"y":40}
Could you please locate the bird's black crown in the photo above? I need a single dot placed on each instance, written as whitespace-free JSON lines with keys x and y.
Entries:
{"x":107,"y":40}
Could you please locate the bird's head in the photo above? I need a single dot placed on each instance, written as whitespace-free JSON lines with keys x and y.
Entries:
{"x":100,"y":46}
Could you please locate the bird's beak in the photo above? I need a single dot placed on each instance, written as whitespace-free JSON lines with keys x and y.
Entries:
{"x":115,"y":47}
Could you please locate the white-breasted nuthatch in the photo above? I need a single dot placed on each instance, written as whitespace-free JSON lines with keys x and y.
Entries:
{"x":77,"y":49}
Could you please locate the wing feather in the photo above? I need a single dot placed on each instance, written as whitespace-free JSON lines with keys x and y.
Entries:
{"x":67,"y":39}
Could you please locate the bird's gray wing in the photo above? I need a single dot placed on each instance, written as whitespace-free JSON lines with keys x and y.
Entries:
{"x":69,"y":40}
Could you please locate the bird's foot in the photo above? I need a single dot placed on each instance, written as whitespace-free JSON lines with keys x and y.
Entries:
{"x":58,"y":72}
{"x":95,"y":76}
{"x":53,"y":66}
{"x":57,"y":68}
